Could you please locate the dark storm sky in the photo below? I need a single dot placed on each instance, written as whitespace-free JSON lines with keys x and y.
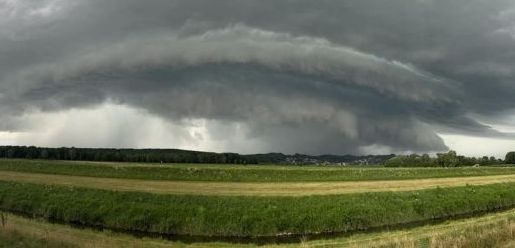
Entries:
{"x":292,"y":76}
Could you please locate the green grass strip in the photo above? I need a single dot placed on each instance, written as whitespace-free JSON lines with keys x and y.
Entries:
{"x":232,"y":173}
{"x":248,"y":216}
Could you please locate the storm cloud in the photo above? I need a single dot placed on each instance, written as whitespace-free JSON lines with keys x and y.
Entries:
{"x":289,"y":76}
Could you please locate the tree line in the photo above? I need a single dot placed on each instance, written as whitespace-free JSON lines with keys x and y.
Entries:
{"x":179,"y":156}
{"x":123,"y":155}
{"x":448,"y":159}
{"x":510,"y":158}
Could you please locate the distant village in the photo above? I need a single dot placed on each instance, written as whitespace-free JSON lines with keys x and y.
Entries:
{"x":335,"y":160}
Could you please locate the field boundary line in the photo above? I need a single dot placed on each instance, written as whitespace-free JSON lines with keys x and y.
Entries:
{"x":251,"y":188}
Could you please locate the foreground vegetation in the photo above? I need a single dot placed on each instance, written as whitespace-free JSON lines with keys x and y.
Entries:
{"x":493,"y":230}
{"x":103,"y":195}
{"x":230,"y":173}
{"x":248,"y":216}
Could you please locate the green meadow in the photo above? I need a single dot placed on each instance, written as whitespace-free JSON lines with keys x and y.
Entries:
{"x":240,"y":173}
{"x":346,"y":202}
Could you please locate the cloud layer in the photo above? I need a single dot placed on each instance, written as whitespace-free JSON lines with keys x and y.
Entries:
{"x":290,"y":76}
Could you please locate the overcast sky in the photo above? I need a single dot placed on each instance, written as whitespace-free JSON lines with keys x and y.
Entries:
{"x":325,"y":76}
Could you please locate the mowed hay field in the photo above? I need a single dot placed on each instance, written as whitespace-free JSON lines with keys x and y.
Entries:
{"x":240,"y":173}
{"x":253,"y":205}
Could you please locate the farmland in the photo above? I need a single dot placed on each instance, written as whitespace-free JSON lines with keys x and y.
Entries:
{"x":254,"y":204}
{"x":251,"y":188}
{"x":240,"y":173}
{"x":492,"y":230}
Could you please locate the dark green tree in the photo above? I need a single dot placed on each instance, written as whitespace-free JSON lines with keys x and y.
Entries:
{"x":510,"y":158}
{"x":449,"y":159}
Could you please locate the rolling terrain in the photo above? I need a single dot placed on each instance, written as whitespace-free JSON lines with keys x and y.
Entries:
{"x":217,"y":205}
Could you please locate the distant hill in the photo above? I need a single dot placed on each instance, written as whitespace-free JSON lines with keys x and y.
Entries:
{"x":279,"y":158}
{"x":181,"y":156}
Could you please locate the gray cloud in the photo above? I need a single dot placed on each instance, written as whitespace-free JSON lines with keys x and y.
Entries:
{"x":295,"y":76}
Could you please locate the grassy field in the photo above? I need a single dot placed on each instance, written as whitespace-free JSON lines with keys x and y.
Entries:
{"x":493,"y":230}
{"x":248,"y":216}
{"x":252,"y":188}
{"x":13,"y":239}
{"x":239,"y":173}
{"x":261,"y":202}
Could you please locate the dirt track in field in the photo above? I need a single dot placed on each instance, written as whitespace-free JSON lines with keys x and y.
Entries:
{"x":249,"y":189}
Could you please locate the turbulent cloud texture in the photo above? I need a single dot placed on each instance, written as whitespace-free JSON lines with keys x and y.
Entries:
{"x":289,"y":76}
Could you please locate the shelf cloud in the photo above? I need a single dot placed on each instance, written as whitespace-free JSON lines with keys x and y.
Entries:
{"x":288,"y":76}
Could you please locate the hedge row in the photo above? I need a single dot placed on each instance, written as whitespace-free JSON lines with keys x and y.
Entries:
{"x":248,"y":216}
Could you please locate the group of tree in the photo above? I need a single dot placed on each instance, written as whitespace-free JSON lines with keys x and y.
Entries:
{"x":123,"y":155}
{"x":510,"y":158}
{"x":448,"y":159}
{"x":180,"y":156}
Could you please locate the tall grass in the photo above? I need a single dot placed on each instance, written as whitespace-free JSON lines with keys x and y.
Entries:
{"x":10,"y":237}
{"x":240,"y":173}
{"x":13,"y":239}
{"x":477,"y":235}
{"x":491,"y":235}
{"x":248,"y":216}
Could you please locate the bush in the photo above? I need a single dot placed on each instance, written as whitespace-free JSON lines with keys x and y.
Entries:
{"x":510,"y":158}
